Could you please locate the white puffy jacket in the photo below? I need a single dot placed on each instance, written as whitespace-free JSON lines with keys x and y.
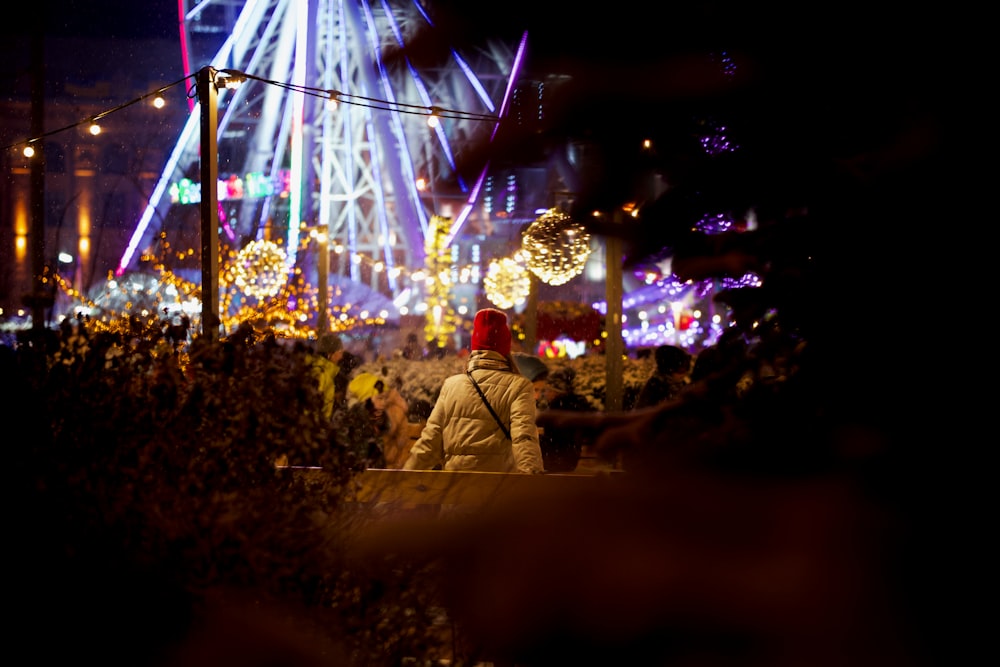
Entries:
{"x":461,"y":434}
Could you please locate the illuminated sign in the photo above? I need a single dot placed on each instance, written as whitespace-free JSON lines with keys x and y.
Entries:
{"x":254,"y":186}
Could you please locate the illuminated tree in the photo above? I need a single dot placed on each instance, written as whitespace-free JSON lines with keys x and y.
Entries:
{"x":442,"y":321}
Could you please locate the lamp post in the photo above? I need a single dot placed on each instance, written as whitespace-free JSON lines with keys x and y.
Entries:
{"x":531,"y":321}
{"x":322,"y":286}
{"x":614,"y":345}
{"x":208,"y":96}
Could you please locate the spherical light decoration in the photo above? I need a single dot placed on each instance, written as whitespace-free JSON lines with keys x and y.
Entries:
{"x":259,"y":269}
{"x":556,"y":247}
{"x":507,"y":283}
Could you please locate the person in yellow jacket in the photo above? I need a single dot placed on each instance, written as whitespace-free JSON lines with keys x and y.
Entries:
{"x":461,"y":433}
{"x":326,"y":366}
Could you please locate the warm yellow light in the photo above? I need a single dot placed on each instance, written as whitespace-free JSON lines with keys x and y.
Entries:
{"x":29,"y":151}
{"x":159,"y":102}
{"x":95,"y":129}
{"x":230,"y":79}
{"x":507,"y":283}
{"x":259,"y":269}
{"x":556,"y":247}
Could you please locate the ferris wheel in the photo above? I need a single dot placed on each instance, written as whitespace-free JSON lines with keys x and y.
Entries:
{"x":352,"y":160}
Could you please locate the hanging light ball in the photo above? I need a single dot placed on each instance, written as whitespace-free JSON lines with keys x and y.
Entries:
{"x":259,"y":269}
{"x":507,"y":283}
{"x":556,"y":247}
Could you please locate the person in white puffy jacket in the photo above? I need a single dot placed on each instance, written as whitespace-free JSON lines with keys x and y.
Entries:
{"x":460,"y":433}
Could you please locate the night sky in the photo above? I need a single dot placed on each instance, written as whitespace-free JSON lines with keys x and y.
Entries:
{"x":104,"y":18}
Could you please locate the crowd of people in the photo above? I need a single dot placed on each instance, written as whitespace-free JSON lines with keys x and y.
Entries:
{"x":374,"y":411}
{"x":745,"y":405}
{"x":373,"y":407}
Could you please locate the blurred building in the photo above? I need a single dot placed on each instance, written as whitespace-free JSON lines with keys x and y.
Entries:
{"x":96,"y":186}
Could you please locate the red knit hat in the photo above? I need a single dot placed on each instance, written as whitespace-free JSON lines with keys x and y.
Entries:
{"x":490,"y":331}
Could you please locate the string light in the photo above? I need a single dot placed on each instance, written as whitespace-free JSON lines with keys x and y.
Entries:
{"x":92,"y":121}
{"x":434,"y":119}
{"x":370,"y":102}
{"x":230,"y":78}
{"x":556,"y":247}
{"x":141,"y":299}
{"x":291,"y":311}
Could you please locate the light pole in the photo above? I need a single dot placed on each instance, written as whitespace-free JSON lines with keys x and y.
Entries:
{"x":208,"y":96}
{"x":323,"y":280}
{"x":614,"y":345}
{"x":531,"y":315}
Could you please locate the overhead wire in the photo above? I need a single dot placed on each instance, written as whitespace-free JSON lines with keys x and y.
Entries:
{"x":345,"y":98}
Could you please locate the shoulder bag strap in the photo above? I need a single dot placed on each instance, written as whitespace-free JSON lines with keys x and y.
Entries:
{"x":489,"y":407}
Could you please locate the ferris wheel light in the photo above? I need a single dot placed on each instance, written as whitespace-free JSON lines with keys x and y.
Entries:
{"x":368,"y":215}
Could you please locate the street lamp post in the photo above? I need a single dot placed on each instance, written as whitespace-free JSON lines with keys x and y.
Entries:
{"x":531,"y":316}
{"x":208,"y":96}
{"x":614,"y":345}
{"x":322,"y":287}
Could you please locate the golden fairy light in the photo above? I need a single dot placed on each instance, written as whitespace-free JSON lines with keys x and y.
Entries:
{"x":442,"y":321}
{"x":556,"y":247}
{"x":507,"y":283}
